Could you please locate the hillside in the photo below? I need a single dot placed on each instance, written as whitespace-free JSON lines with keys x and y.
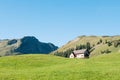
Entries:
{"x":48,"y":67}
{"x":98,"y":45}
{"x":25,"y":45}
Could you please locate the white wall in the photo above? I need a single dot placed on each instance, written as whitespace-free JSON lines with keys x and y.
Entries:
{"x":71,"y":56}
{"x":80,"y":56}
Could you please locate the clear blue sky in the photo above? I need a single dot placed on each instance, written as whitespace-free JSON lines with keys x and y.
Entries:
{"x":58,"y":21}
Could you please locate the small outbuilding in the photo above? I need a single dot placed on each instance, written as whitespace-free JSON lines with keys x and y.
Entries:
{"x":83,"y":53}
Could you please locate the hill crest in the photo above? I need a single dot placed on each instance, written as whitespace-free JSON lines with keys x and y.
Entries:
{"x":99,"y":45}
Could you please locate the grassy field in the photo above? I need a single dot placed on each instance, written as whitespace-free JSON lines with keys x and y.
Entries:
{"x":48,"y":67}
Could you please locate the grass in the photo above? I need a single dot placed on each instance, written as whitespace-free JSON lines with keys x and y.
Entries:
{"x":48,"y":67}
{"x":93,"y":40}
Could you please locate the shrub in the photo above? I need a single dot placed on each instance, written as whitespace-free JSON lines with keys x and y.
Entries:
{"x":116,"y":43}
{"x":109,"y":43}
{"x":99,"y":42}
{"x":105,"y":51}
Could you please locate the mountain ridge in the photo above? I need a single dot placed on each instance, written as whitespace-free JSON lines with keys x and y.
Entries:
{"x":25,"y":45}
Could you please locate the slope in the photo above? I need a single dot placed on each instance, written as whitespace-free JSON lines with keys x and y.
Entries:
{"x":99,"y":45}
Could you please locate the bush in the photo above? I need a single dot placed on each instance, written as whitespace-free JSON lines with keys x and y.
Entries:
{"x":109,"y":43}
{"x":99,"y":42}
{"x":105,"y":51}
{"x":116,"y":43}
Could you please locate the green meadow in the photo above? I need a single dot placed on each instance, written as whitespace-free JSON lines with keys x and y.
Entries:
{"x":49,"y":67}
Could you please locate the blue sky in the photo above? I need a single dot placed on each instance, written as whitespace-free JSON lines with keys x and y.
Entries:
{"x":58,"y":21}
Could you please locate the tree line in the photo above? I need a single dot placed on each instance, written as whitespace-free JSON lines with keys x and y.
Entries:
{"x":70,"y":50}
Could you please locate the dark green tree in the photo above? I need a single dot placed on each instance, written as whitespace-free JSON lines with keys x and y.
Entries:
{"x":88,"y":46}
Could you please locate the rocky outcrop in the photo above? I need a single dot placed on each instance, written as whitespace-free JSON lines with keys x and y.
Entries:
{"x":13,"y":41}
